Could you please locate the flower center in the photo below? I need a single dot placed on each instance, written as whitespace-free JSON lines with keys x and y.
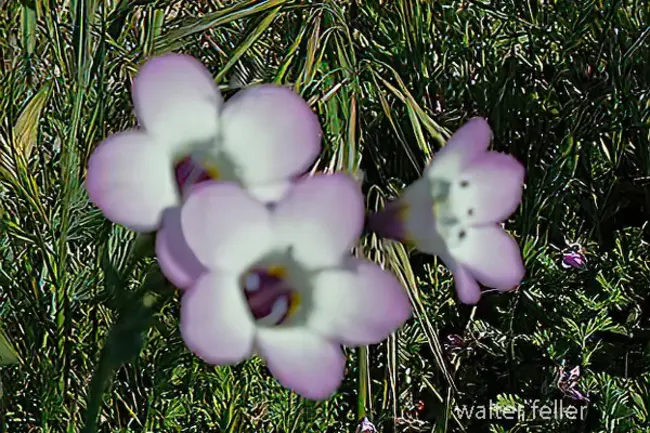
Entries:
{"x":440,"y":191}
{"x":270,"y":297}
{"x":193,"y":170}
{"x":447,"y":222}
{"x":453,"y":212}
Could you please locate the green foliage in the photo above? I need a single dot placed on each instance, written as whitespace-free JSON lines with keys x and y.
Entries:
{"x":565,"y":85}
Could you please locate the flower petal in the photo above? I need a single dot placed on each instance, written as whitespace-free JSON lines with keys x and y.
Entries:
{"x":270,"y":133}
{"x":216,"y":324}
{"x":467,"y":289}
{"x":320,"y":219}
{"x":271,"y":192}
{"x":489,"y":190}
{"x":420,"y":225}
{"x":302,"y":361}
{"x":176,"y":100}
{"x":225,"y":227}
{"x":131,"y":180}
{"x":492,"y":256}
{"x":358,"y":305}
{"x":469,"y":141}
{"x":177,"y":261}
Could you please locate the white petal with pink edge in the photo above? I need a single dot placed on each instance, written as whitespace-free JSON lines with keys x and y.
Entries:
{"x":467,"y":289}
{"x":302,"y":360}
{"x":270,"y":133}
{"x":357,"y":305}
{"x":470,"y":140}
{"x":489,"y":190}
{"x":130,"y":179}
{"x":176,"y":101}
{"x":492,"y":256}
{"x":177,"y":261}
{"x":226,"y":227}
{"x":215,"y":322}
{"x":320,"y":219}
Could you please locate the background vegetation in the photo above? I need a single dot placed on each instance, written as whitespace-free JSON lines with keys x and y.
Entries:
{"x":564,"y":84}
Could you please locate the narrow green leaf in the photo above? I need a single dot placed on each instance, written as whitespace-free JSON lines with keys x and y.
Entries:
{"x":177,"y":38}
{"x":252,"y":37}
{"x":313,"y":44}
{"x":26,"y":128}
{"x":28,"y":29}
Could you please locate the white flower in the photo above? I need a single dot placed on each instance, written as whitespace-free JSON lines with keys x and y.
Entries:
{"x":280,"y":282}
{"x":455,"y":211}
{"x":262,"y":137}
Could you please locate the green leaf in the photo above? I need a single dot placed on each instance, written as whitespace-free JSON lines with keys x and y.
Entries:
{"x":254,"y":35}
{"x":8,"y":354}
{"x":28,"y":28}
{"x":642,"y":410}
{"x":26,"y":128}
{"x":177,"y":38}
{"x":126,"y":338}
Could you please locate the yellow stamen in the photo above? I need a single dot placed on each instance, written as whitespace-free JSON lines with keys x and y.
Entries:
{"x":403,"y":214}
{"x":437,"y":204}
{"x":212,"y":170}
{"x":294,"y":303}
{"x":277,"y":271}
{"x":294,"y":298}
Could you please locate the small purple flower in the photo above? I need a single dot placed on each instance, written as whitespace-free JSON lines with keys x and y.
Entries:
{"x":261,"y":138}
{"x":454,"y":211}
{"x":455,"y":343}
{"x":280,"y":281}
{"x":366,"y":426}
{"x":568,"y":383}
{"x":573,"y":257}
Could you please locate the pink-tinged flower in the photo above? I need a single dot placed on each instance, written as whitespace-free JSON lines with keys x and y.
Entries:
{"x":573,"y":257}
{"x":261,"y":137}
{"x":366,"y":426}
{"x":279,"y":281}
{"x":455,"y":344}
{"x":454,"y":211}
{"x":568,"y":383}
